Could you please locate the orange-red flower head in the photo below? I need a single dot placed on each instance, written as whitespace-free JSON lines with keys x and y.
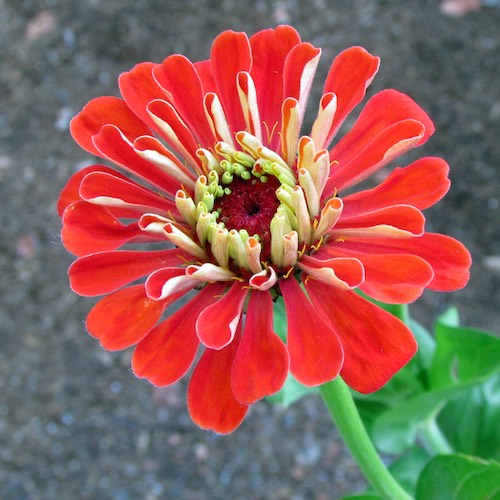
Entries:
{"x":242,"y":206}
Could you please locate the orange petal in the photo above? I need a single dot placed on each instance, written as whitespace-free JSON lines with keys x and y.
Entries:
{"x":124,"y":318}
{"x":260,"y":366}
{"x":211,"y":402}
{"x":376,"y":344}
{"x":316,"y":353}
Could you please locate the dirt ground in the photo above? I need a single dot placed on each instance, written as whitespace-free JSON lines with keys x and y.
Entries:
{"x":74,"y":422}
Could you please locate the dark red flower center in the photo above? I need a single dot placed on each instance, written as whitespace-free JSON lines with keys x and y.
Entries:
{"x":251,"y":205}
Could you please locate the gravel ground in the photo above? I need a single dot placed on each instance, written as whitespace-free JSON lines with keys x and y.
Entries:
{"x":74,"y":423}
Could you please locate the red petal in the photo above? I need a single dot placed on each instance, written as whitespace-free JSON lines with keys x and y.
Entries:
{"x":260,"y":366}
{"x":391,"y":278}
{"x":217,"y":324}
{"x":211,"y":402}
{"x":179,"y":77}
{"x":108,"y":189}
{"x":316,"y":354}
{"x":167,"y":352}
{"x":157,"y":281}
{"x":347,"y":270}
{"x":71,"y":192}
{"x":105,"y":272}
{"x":230,"y":54}
{"x":270,"y":49}
{"x":390,"y":124}
{"x":449,"y":259}
{"x":123,"y":318}
{"x":376,"y":344}
{"x":349,"y":76}
{"x":403,"y":217}
{"x":112,"y":145}
{"x":184,"y":143}
{"x":103,"y":111}
{"x":138,"y":87}
{"x":90,"y":228}
{"x":298,"y":74}
{"x":360,"y":163}
{"x":204,"y":70}
{"x":395,"y":279}
{"x":420,"y":184}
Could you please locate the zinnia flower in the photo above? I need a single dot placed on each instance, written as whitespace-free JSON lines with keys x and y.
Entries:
{"x":239,"y":208}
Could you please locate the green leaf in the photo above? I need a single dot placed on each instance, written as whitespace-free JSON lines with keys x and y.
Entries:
{"x":426,"y":346}
{"x":363,"y":496}
{"x":471,"y":422}
{"x":396,"y":429}
{"x":462,"y":354}
{"x":408,"y":467}
{"x":459,"y":477}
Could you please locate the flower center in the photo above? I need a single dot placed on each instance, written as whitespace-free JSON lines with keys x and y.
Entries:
{"x":250,"y":206}
{"x":251,"y":214}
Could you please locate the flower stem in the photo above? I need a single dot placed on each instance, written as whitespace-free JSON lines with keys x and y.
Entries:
{"x":435,"y":440}
{"x":340,"y":404}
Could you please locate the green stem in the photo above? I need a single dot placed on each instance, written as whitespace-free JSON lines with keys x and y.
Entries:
{"x":401,"y":312}
{"x":434,"y":439}
{"x":340,"y":404}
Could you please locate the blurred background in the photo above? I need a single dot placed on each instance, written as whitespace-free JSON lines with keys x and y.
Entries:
{"x":74,"y":422}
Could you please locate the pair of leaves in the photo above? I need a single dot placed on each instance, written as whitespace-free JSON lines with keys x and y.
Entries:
{"x":450,"y":477}
{"x":463,"y":362}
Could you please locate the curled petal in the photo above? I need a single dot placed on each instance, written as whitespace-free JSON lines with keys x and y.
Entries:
{"x":330,"y":214}
{"x":107,"y":189}
{"x":316,"y":355}
{"x":249,"y":105}
{"x":178,"y":76}
{"x":391,"y":278}
{"x":90,"y":228}
{"x":290,"y":128}
{"x":105,"y":111}
{"x":380,"y":231}
{"x":404,"y":217}
{"x":151,"y":149}
{"x":300,"y":67}
{"x":71,"y":191}
{"x":449,"y":259}
{"x":114,"y":145}
{"x":344,"y":273}
{"x":169,"y":349}
{"x":169,"y":282}
{"x":323,"y":124}
{"x":209,"y":272}
{"x":173,"y":128}
{"x":182,"y":240}
{"x":261,"y":363}
{"x":217,"y":324}
{"x":376,"y":344}
{"x":263,"y":280}
{"x":211,"y":402}
{"x":124,"y":318}
{"x":105,"y":272}
{"x":217,"y":119}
